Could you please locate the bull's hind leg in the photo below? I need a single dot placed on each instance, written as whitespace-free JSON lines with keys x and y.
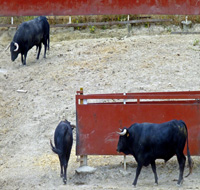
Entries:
{"x":181,"y":160}
{"x":153,"y":166}
{"x":38,"y":55}
{"x":66,"y":159}
{"x":65,"y":174}
{"x":138,"y":170}
{"x":61,"y":167}
{"x":45,"y":48}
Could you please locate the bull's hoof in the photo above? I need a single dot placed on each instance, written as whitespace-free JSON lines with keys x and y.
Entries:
{"x":180,"y":183}
{"x":134,"y":185}
{"x":64,"y":181}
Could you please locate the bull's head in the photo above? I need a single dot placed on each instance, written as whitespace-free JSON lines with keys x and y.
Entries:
{"x":123,"y":143}
{"x":14,"y":49}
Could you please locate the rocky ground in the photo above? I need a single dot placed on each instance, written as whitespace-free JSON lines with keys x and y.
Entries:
{"x":108,"y":61}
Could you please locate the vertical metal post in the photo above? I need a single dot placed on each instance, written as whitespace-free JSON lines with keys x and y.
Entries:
{"x":70,"y":19}
{"x":124,"y":155}
{"x":124,"y":162}
{"x":128,"y":26}
{"x":12,"y":20}
{"x":83,"y":158}
{"x":186,"y":24}
{"x":124,"y":99}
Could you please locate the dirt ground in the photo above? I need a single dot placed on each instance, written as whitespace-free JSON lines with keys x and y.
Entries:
{"x":108,"y":61}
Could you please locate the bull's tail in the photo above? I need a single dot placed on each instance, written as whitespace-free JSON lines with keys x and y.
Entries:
{"x":48,"y":42}
{"x":55,"y":150}
{"x":190,"y":161}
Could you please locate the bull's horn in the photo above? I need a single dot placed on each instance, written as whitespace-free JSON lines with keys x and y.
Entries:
{"x":73,"y":126}
{"x":123,"y":132}
{"x":17,"y":46}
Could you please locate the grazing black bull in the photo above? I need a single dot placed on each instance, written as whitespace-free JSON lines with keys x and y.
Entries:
{"x":63,"y":139}
{"x":29,"y":34}
{"x":148,"y":142}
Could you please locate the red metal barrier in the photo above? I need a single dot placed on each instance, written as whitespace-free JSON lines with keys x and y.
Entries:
{"x":96,"y":7}
{"x":99,"y":116}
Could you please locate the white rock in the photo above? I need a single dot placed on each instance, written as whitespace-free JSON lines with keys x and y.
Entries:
{"x":86,"y":170}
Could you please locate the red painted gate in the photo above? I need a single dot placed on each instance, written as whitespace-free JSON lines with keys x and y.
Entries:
{"x":99,"y":116}
{"x":98,"y":7}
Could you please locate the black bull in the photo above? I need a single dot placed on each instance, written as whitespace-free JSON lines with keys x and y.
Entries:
{"x":63,"y":139}
{"x":29,"y":34}
{"x":148,"y":142}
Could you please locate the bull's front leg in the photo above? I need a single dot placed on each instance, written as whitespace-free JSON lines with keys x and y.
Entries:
{"x":138,"y":170}
{"x":22,"y":59}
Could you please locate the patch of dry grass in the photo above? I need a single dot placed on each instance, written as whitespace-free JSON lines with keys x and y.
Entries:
{"x":101,"y":18}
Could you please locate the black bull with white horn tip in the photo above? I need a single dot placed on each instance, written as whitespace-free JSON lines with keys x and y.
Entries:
{"x":149,"y":141}
{"x":31,"y":33}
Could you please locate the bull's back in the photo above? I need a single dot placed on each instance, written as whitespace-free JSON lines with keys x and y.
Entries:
{"x":163,"y":131}
{"x":63,"y":137}
{"x":29,"y":34}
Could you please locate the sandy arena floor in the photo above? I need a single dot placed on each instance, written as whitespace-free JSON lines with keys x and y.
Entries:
{"x":108,"y":61}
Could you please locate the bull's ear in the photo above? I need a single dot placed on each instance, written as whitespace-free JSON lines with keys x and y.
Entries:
{"x":127,"y":133}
